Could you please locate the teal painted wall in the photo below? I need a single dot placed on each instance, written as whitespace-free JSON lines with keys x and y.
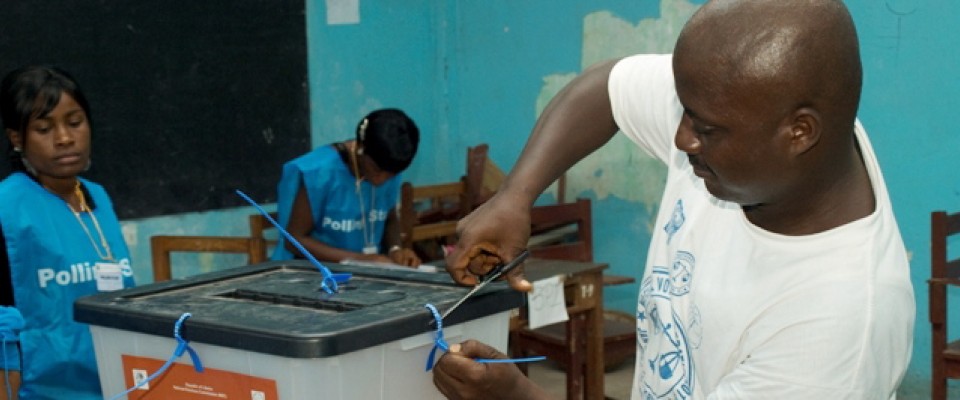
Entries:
{"x":474,"y":72}
{"x":910,"y":96}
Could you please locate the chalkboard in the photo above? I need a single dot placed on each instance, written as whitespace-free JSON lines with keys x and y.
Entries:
{"x":190,"y":99}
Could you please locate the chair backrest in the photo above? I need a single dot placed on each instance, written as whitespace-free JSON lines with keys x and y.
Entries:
{"x":260,"y":227}
{"x":943,"y":225}
{"x":483,"y":176}
{"x":431,"y":211}
{"x":162,"y":245}
{"x":943,"y":270}
{"x":562,"y":231}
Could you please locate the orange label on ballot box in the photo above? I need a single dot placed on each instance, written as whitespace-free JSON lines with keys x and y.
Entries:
{"x":182,"y":382}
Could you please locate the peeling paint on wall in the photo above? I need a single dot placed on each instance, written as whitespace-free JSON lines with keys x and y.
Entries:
{"x":607,"y":36}
{"x":620,"y":168}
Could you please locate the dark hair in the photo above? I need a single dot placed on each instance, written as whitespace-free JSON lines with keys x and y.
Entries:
{"x":32,"y":92}
{"x":390,"y":138}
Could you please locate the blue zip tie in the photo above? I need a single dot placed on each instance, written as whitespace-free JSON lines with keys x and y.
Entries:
{"x":327,"y":276}
{"x":182,"y":345}
{"x":438,"y":342}
{"x":442,"y":344}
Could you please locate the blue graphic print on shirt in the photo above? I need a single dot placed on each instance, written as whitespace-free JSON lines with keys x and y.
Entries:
{"x":676,"y":220}
{"x":665,"y":342}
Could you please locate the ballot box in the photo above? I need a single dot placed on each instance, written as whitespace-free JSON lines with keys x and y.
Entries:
{"x":269,"y":331}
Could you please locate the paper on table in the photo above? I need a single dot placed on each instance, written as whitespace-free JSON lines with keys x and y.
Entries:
{"x":386,"y":265}
{"x":545,"y":304}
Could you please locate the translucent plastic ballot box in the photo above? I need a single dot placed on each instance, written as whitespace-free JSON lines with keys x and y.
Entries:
{"x":269,"y":331}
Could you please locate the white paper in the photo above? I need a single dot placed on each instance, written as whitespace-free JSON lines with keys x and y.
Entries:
{"x":109,"y":276}
{"x":390,"y":265}
{"x":545,"y":304}
{"x":343,"y":12}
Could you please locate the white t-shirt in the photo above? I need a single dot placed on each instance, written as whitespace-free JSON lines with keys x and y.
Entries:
{"x":728,"y":310}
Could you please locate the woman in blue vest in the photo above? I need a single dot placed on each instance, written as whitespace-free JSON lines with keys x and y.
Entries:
{"x":340,"y":200}
{"x":59,"y":239}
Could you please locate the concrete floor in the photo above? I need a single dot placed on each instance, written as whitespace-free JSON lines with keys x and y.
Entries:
{"x":617,"y":382}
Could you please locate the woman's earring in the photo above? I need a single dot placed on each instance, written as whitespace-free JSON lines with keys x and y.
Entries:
{"x":363,"y":129}
{"x":359,"y":151}
{"x":16,"y":149}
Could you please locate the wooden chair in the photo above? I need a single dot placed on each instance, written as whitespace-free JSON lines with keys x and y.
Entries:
{"x":944,"y":271}
{"x":260,"y":227}
{"x":565,"y":343}
{"x":430,"y":213}
{"x":483,"y":176}
{"x":161,"y":246}
{"x":562,"y":231}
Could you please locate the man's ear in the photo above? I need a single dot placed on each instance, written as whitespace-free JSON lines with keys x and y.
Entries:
{"x":16,"y":139}
{"x":804,"y":130}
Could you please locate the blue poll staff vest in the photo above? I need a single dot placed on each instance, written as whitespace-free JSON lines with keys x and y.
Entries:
{"x":334,"y":203}
{"x":51,"y":265}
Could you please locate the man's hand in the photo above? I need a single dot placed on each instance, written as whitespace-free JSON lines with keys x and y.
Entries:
{"x":492,"y":234}
{"x":458,"y":376}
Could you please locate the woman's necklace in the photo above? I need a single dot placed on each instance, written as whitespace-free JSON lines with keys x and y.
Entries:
{"x":368,"y":234}
{"x":106,"y":254}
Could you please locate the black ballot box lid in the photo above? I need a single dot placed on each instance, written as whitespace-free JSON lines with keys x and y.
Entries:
{"x":279,"y":307}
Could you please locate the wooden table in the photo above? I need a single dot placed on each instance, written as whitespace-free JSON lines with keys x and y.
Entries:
{"x":586,"y":281}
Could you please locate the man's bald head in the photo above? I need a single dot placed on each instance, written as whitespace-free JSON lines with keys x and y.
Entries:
{"x":797,"y":53}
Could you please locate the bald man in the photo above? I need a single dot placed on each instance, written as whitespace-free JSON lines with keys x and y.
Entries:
{"x":776,"y":269}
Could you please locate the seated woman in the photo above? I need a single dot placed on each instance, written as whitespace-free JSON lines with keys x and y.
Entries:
{"x":340,"y":200}
{"x":60,"y":239}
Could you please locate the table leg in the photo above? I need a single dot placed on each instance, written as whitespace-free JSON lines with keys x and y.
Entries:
{"x":592,"y":288}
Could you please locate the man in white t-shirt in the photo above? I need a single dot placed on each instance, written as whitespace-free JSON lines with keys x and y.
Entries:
{"x":776,"y":269}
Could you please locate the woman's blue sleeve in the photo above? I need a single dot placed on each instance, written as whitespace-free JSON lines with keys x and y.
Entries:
{"x":11,"y":322}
